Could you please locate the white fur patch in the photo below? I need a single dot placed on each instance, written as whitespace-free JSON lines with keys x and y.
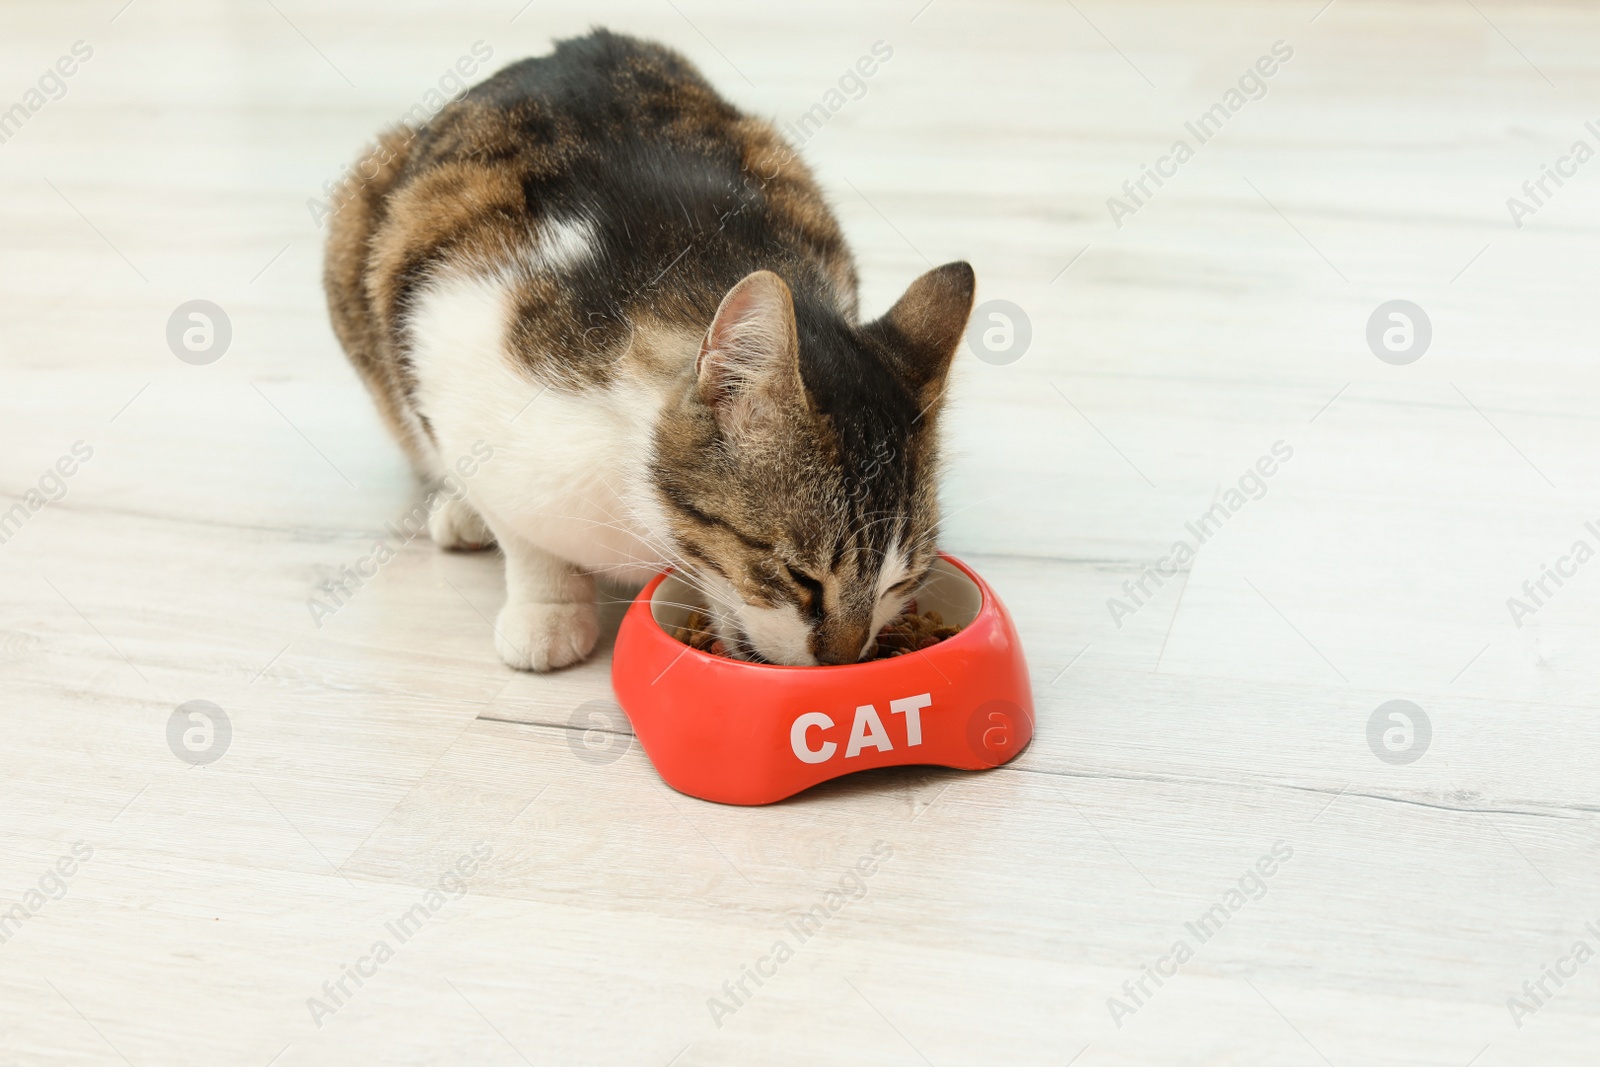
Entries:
{"x":568,"y":471}
{"x":893,"y":571}
{"x":561,"y":244}
{"x":779,"y":633}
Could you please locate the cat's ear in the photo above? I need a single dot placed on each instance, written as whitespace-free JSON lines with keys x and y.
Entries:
{"x":749,"y":364}
{"x":926,"y":325}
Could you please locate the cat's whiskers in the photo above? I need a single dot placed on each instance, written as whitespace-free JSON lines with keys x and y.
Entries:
{"x":667,"y":555}
{"x":682,"y":569}
{"x":668,"y":551}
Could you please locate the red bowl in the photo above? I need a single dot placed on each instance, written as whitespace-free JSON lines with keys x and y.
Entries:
{"x":752,"y":733}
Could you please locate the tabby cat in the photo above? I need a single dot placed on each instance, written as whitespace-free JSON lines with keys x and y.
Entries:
{"x":639,"y":297}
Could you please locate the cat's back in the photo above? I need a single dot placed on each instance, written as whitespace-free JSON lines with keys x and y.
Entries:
{"x":622,"y":133}
{"x":605,"y":193}
{"x":602,"y":83}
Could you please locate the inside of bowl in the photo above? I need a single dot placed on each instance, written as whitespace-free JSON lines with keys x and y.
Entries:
{"x":946,"y":590}
{"x":672,"y":601}
{"x":949,"y":592}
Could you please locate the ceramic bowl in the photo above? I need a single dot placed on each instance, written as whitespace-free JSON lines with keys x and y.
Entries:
{"x":752,"y":733}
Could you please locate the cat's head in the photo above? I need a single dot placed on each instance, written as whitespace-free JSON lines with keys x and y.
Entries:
{"x":798,"y":475}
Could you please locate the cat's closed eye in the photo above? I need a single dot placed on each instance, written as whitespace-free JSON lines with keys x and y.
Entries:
{"x":903,"y":586}
{"x":804,"y":580}
{"x":810,"y":586}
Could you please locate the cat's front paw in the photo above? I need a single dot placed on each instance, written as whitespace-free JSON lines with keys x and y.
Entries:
{"x":456,"y":526}
{"x":542,"y":637}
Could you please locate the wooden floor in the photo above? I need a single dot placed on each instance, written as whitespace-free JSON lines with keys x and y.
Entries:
{"x":212,"y":910}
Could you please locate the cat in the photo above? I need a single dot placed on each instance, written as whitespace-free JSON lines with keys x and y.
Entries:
{"x":638,"y":295}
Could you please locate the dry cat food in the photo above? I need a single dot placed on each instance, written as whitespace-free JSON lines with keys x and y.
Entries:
{"x":911,"y":631}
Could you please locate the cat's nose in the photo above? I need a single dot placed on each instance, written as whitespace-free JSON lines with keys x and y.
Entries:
{"x":840,"y":643}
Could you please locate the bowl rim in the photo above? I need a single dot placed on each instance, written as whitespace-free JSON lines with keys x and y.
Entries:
{"x":646,"y":599}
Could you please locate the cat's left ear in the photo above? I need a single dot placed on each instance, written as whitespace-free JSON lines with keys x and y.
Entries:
{"x":749,"y":365}
{"x":926,"y":325}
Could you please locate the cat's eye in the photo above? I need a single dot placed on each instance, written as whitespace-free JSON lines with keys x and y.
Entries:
{"x":903,"y":586}
{"x":804,"y":581}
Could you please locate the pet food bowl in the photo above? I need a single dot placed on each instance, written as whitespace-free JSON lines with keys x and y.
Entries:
{"x":752,"y":733}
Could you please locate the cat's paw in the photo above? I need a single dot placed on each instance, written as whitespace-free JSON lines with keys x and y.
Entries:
{"x":542,"y":637}
{"x":457,"y":527}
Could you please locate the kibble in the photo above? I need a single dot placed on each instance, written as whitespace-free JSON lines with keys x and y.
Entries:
{"x":696,"y":632}
{"x":912,"y":632}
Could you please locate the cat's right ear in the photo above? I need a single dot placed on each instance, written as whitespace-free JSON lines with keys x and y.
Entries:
{"x":749,"y":363}
{"x":925,"y":327}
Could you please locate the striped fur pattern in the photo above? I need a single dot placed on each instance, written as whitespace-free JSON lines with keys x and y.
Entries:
{"x":639,"y":297}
